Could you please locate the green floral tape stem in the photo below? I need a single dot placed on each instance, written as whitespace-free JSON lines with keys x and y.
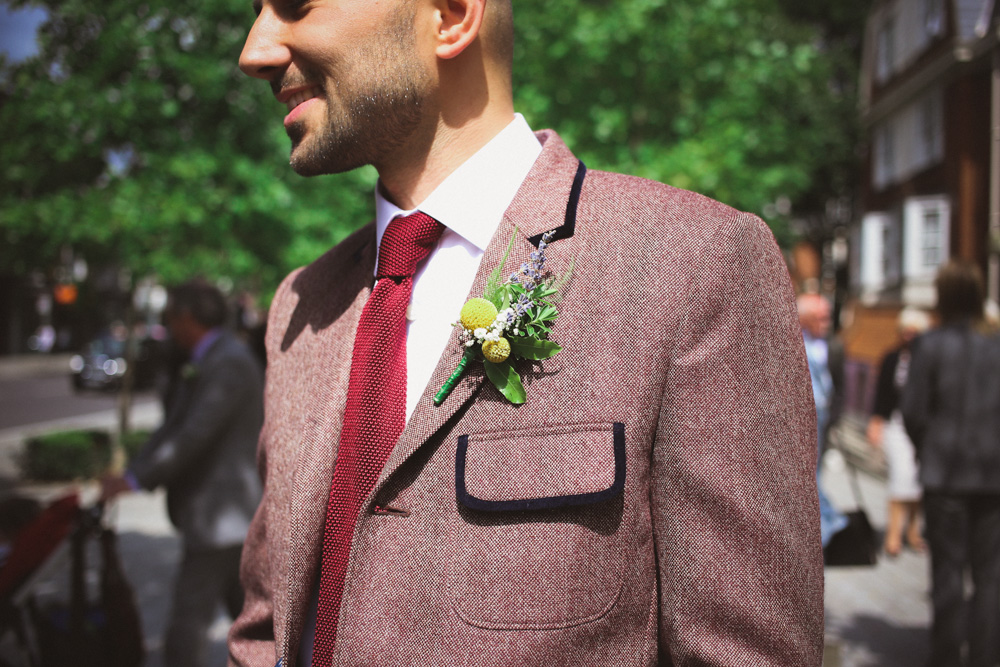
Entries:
{"x":453,"y":380}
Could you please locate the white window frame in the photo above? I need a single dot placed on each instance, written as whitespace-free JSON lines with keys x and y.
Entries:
{"x":876,"y":261}
{"x":918,"y":272}
{"x":916,"y":213}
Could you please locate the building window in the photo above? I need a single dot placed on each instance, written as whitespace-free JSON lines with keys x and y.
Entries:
{"x":878,"y":254}
{"x":933,"y":244}
{"x":884,"y":150}
{"x":908,"y":141}
{"x":930,"y":136}
{"x":886,"y":255}
{"x":885,"y":50}
{"x":925,"y":237}
{"x":933,"y":18}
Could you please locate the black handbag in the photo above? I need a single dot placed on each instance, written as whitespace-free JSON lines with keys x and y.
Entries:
{"x":857,"y":543}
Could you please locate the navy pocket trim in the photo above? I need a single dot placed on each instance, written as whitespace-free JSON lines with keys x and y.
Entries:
{"x":552,"y":502}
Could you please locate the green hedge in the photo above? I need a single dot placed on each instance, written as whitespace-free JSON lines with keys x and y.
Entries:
{"x":68,"y":455}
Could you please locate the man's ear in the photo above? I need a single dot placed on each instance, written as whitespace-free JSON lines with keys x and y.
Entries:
{"x":458,"y":23}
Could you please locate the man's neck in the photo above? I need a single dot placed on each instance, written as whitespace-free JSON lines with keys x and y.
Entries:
{"x":414,"y":173}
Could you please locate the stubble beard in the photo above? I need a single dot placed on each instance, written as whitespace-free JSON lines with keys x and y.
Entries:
{"x":381,"y":106}
{"x":370,"y":127}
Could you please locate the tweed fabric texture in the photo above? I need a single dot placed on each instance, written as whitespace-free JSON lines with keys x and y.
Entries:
{"x":376,"y":408}
{"x":678,"y":323}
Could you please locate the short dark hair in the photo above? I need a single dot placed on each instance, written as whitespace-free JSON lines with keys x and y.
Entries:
{"x":498,"y":40}
{"x":202,"y":299}
{"x":959,"y":293}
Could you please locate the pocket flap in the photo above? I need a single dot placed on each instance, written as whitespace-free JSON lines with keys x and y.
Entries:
{"x":540,"y":468}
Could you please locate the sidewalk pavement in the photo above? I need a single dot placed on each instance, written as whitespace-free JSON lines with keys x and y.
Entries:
{"x":875,"y":616}
{"x":33,"y":365}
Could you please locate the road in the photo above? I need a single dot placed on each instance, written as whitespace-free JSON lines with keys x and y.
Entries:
{"x":30,"y":400}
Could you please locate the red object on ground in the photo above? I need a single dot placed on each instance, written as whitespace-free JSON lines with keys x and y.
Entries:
{"x":36,"y":541}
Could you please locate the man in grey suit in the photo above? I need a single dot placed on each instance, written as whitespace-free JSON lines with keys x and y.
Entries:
{"x":204,"y":455}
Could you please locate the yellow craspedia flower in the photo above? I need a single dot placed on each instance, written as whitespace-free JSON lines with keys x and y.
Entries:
{"x":496,"y":351}
{"x":478,"y":314}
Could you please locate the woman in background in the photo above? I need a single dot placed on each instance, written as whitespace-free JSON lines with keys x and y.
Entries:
{"x":886,"y":432}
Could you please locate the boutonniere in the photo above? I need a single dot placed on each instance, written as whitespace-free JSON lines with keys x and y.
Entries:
{"x":189,"y":371}
{"x":512,"y":320}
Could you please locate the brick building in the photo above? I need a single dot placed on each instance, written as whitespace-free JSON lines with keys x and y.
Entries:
{"x":930,"y":105}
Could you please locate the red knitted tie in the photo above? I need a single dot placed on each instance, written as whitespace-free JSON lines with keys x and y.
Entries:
{"x":376,"y":409}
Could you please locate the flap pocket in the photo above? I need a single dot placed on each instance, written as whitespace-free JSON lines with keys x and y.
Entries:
{"x":540,"y":468}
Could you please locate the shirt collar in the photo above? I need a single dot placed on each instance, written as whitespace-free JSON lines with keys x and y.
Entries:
{"x":471,"y":201}
{"x":198,"y":353}
{"x":809,"y":338}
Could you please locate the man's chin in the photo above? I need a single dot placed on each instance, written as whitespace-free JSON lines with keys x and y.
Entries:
{"x":305,"y":167}
{"x":307,"y":160}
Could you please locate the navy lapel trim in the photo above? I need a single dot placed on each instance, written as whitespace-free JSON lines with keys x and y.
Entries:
{"x":568,"y":228}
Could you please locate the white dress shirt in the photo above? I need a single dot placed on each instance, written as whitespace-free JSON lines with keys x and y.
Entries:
{"x":470,"y":204}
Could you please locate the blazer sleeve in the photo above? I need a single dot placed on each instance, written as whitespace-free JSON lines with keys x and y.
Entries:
{"x":251,"y":638}
{"x":734,"y":500}
{"x":221,"y":390}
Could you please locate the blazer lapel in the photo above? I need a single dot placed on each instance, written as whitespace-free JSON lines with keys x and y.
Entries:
{"x":544,"y":202}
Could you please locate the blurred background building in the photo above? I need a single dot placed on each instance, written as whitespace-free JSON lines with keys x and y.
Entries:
{"x":930,"y":186}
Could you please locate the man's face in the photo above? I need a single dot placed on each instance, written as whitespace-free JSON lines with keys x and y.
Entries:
{"x":816,"y":321}
{"x":184,"y":329}
{"x":349,"y":73}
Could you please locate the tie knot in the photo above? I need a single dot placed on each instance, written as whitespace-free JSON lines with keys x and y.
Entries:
{"x":406,"y":242}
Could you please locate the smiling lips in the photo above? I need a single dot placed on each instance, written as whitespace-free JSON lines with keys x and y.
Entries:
{"x":297,"y":102}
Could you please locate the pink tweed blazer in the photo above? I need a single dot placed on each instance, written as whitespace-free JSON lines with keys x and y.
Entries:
{"x":653,"y":503}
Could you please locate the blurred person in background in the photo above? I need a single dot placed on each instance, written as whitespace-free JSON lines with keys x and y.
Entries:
{"x":205,"y":457}
{"x":886,"y":432}
{"x":951,"y":409}
{"x":826,"y":369}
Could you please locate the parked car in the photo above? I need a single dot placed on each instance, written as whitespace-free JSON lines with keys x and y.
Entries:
{"x":101,"y":364}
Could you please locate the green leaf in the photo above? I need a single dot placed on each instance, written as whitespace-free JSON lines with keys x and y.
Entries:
{"x":505,"y":378}
{"x":494,"y":292}
{"x":535,"y":350}
{"x":546,"y":313}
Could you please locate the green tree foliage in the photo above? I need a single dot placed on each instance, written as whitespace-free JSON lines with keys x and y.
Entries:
{"x":732,"y":98}
{"x":134,"y":138}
